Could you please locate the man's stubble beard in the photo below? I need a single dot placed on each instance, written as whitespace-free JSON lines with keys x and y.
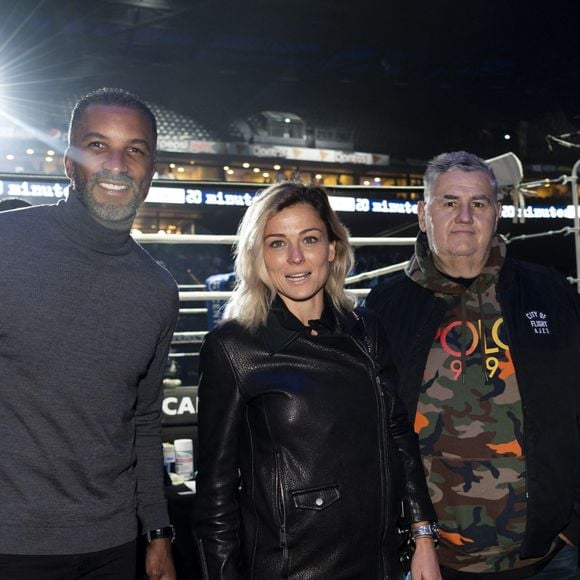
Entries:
{"x":109,"y":212}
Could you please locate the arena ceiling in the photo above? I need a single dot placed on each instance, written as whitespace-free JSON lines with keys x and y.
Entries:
{"x":410,"y":78}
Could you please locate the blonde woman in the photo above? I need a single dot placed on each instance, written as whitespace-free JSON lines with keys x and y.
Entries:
{"x":305,"y":455}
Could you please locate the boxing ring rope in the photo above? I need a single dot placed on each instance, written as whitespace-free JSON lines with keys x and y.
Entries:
{"x":525,"y":189}
{"x":230,"y":240}
{"x":574,"y":180}
{"x":203,"y":295}
{"x":192,"y":293}
{"x":565,"y":231}
{"x":194,"y":337}
{"x":564,"y":179}
{"x":198,"y":295}
{"x":375,"y":273}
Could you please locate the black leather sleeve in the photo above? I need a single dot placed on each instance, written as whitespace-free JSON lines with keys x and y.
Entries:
{"x":417,"y":504}
{"x":217,"y":514}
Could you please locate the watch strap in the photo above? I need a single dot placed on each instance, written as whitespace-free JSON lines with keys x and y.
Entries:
{"x":166,"y":532}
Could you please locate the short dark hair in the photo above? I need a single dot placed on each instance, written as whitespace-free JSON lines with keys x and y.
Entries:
{"x":461,"y":160}
{"x":111,"y":96}
{"x":13,"y":203}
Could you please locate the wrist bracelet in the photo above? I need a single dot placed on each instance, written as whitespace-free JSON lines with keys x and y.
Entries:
{"x":167,"y":532}
{"x":431,"y":530}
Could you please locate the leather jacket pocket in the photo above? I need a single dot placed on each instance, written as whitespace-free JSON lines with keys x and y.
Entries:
{"x":317,"y":498}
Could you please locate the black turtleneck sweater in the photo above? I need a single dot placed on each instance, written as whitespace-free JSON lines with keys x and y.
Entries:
{"x":86,"y":320}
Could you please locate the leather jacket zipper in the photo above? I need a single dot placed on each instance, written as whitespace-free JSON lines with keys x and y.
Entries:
{"x":281,"y":508}
{"x":202,"y":560}
{"x":384,"y":474}
{"x":382,"y":440}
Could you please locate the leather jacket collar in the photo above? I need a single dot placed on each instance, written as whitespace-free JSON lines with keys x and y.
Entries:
{"x":282,"y":327}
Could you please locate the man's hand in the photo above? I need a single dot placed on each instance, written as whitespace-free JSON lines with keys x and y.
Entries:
{"x":425,"y":564}
{"x":159,"y":561}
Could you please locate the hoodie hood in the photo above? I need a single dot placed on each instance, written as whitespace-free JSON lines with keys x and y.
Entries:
{"x":422,"y":270}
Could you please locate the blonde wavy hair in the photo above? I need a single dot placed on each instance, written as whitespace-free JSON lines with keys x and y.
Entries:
{"x":253,"y":293}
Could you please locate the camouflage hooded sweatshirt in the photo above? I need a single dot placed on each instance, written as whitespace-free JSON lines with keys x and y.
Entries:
{"x":470,"y":421}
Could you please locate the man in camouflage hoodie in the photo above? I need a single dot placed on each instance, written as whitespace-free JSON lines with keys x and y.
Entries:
{"x":488,"y":355}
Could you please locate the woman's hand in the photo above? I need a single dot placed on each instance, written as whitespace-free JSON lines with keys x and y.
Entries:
{"x":425,"y":564}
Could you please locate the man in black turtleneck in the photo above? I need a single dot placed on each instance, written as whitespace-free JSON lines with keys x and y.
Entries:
{"x":86,"y":321}
{"x":488,"y":356}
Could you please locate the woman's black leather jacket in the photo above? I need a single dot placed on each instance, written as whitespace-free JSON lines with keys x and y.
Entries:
{"x":305,"y":454}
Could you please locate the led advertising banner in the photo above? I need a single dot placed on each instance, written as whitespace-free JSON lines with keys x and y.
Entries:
{"x":365,"y":200}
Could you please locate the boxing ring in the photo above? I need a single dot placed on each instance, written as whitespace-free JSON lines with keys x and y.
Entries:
{"x":198,"y":293}
{"x":508,"y":170}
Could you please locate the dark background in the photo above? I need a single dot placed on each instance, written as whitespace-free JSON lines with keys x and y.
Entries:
{"x":410,"y":78}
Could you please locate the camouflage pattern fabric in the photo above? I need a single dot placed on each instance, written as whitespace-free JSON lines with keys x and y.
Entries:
{"x":470,"y":423}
